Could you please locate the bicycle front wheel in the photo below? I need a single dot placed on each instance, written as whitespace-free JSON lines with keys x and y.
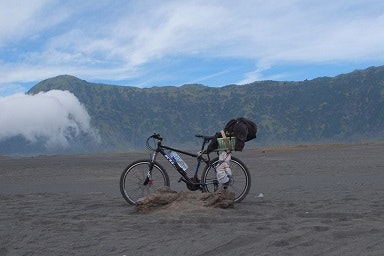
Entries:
{"x":240,"y":183}
{"x":134,"y":181}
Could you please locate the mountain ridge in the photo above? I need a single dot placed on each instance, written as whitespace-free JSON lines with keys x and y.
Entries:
{"x":347,"y":107}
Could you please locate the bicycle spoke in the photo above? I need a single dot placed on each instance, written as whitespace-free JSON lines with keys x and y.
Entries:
{"x":240,"y":180}
{"x":132,"y":181}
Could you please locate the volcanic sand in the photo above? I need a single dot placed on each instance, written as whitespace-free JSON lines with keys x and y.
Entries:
{"x":309,"y":200}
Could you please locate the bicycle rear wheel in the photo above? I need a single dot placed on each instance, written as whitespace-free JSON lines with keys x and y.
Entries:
{"x":133,"y":179}
{"x":240,"y":183}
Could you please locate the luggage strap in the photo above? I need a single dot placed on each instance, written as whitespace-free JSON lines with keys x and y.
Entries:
{"x":226,"y":141}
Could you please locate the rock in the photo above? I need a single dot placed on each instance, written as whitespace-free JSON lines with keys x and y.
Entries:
{"x":221,"y":199}
{"x":159,"y":198}
{"x":165,"y":198}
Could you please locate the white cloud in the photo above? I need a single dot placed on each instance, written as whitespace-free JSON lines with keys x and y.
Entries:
{"x":119,"y":40}
{"x":56,"y":117}
{"x":26,"y":20}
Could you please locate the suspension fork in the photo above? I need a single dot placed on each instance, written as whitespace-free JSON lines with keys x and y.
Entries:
{"x":151,"y":164}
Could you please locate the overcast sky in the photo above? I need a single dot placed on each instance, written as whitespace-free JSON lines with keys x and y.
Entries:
{"x":155,"y":43}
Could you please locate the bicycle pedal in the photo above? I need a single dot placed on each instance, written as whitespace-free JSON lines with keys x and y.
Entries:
{"x":227,"y":184}
{"x":215,"y":186}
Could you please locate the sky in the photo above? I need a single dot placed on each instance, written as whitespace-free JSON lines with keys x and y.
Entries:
{"x":164,"y":42}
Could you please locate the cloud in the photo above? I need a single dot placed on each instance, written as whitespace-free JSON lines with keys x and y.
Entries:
{"x":55,"y":117}
{"x":20,"y":20}
{"x":130,"y":39}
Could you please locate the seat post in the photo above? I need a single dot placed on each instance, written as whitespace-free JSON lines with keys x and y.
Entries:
{"x":203,"y":145}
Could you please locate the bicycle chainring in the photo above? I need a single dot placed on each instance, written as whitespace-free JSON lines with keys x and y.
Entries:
{"x":194,"y":187}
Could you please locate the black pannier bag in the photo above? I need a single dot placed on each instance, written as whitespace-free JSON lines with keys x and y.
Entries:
{"x":237,"y":132}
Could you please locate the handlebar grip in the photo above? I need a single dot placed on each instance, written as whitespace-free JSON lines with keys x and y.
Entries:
{"x":156,"y":136}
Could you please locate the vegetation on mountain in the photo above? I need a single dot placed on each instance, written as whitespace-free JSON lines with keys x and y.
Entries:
{"x":347,"y":107}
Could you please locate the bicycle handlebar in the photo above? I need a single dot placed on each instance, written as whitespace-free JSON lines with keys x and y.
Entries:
{"x":156,"y":136}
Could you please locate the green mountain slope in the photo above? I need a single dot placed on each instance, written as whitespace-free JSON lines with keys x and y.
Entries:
{"x":343,"y":108}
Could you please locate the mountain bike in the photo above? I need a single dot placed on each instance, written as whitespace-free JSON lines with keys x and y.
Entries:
{"x":145,"y":176}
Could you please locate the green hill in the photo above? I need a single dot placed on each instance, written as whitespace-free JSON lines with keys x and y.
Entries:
{"x":347,"y":107}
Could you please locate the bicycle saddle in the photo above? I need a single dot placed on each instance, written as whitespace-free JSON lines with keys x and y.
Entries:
{"x":206,"y":137}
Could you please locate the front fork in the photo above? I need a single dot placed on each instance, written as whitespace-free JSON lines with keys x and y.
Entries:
{"x":149,"y":173}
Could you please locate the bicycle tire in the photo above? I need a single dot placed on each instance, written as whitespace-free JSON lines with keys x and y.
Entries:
{"x":132,"y":180}
{"x":241,"y":178}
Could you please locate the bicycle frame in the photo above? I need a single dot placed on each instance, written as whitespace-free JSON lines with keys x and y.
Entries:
{"x":143,"y":176}
{"x":162,"y":149}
